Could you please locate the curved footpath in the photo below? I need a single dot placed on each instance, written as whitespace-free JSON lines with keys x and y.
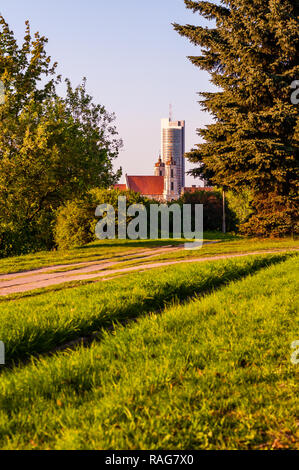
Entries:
{"x":99,"y":271}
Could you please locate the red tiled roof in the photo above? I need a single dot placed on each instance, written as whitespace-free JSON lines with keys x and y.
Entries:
{"x":147,"y":185}
{"x":121,"y":187}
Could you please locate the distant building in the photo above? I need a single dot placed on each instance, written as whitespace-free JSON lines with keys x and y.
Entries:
{"x":168,"y":182}
{"x":173,"y":148}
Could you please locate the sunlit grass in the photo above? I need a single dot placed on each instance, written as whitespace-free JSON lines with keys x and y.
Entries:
{"x":99,"y":250}
{"x":36,"y":325}
{"x":214,"y":373}
{"x":116,"y":250}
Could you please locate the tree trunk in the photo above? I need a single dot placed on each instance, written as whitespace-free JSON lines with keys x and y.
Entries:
{"x":223,"y":212}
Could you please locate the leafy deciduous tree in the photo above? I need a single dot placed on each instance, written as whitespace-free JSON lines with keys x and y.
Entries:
{"x":52,"y":149}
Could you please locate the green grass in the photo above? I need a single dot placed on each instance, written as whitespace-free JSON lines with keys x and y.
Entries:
{"x":116,"y":249}
{"x":38,"y":324}
{"x":222,"y":248}
{"x":214,"y":373}
{"x":99,"y":250}
{"x":127,"y":259}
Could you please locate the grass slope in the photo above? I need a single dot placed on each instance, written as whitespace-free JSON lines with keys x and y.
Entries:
{"x":36,"y":325}
{"x":116,"y":249}
{"x":214,"y":373}
{"x":99,"y":250}
{"x":223,"y":248}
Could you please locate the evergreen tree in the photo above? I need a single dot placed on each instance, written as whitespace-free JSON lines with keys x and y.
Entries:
{"x":251,"y":52}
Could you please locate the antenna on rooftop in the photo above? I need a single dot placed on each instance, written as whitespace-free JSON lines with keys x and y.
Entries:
{"x":170,"y":112}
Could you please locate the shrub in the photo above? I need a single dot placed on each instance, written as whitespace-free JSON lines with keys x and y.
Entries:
{"x":20,"y":238}
{"x":212,"y":209}
{"x":274,"y":216}
{"x":76,"y":221}
{"x":240,"y":202}
{"x":74,"y":224}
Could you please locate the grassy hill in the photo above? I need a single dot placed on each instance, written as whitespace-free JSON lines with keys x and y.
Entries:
{"x":193,"y":356}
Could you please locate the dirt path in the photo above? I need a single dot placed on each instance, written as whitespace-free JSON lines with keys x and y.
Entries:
{"x":102,"y":261}
{"x":99,"y":271}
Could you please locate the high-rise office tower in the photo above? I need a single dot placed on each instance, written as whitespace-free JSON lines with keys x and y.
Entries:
{"x":173,"y":147}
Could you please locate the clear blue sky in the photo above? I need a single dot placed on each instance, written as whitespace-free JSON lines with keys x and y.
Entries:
{"x":135,"y":64}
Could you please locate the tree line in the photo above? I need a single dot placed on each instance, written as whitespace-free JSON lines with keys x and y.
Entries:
{"x":55,"y":150}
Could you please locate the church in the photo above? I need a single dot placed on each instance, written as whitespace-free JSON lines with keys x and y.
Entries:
{"x":168,"y":182}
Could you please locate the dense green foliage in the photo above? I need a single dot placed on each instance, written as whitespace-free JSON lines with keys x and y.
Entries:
{"x":76,"y":221}
{"x":240,"y":203}
{"x":252,"y":54}
{"x":212,"y":209}
{"x":52,"y":149}
{"x":204,"y":375}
